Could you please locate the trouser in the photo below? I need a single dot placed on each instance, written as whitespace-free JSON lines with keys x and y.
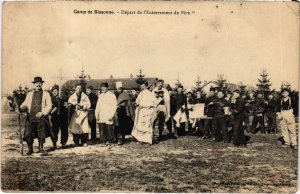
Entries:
{"x":238,"y":131}
{"x":229,"y":125}
{"x":92,"y":124}
{"x":246,"y":119}
{"x":181,"y":129}
{"x":288,"y":128}
{"x":207,"y":127}
{"x":80,"y":138}
{"x":219,"y":129}
{"x":171,"y":125}
{"x":35,"y":128}
{"x":161,"y":116}
{"x":261,"y":121}
{"x":271,"y":120}
{"x":107,"y":132}
{"x":59,"y":123}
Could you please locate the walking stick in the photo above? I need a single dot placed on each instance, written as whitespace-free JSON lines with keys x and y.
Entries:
{"x":20,"y":134}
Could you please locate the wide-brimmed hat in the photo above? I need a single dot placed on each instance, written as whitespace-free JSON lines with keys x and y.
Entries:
{"x":37,"y":79}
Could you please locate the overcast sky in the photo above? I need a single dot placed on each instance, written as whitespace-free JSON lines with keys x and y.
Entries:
{"x":234,"y":39}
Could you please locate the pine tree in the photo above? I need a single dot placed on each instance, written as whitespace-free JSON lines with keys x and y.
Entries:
{"x":264,"y":83}
{"x":140,"y":78}
{"x":222,"y":82}
{"x":197,"y":85}
{"x":177,"y":84}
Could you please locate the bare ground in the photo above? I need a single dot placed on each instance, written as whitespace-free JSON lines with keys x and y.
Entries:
{"x":188,"y":164}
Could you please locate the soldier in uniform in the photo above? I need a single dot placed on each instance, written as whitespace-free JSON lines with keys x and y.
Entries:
{"x":258,"y":114}
{"x":180,"y":100}
{"x":270,"y":113}
{"x":219,"y":124}
{"x":238,"y":107}
{"x":38,"y":105}
{"x":91,"y":115}
{"x":58,"y":119}
{"x":208,"y":112}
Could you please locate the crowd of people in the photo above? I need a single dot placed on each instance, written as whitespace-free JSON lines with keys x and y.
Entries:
{"x":226,"y":115}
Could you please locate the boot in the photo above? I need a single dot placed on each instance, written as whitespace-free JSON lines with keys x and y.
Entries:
{"x":41,"y":148}
{"x":54,"y":147}
{"x":30,"y":149}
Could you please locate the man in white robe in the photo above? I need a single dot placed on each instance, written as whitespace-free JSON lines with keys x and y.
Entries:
{"x":145,"y":113}
{"x":79,"y":125}
{"x":105,"y":111}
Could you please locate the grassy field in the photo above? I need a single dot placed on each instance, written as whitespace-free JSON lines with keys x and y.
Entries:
{"x":188,"y":164}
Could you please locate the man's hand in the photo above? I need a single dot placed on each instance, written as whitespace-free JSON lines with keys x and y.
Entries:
{"x":53,"y":110}
{"x":78,"y":107}
{"x":23,"y":109}
{"x":39,"y":115}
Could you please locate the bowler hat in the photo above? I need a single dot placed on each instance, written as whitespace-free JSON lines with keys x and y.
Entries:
{"x":105,"y":84}
{"x":37,"y":79}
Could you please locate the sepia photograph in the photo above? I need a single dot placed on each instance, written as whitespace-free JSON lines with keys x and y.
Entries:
{"x":150,"y":96}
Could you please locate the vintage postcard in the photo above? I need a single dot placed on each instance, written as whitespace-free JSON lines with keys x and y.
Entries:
{"x":150,"y":96}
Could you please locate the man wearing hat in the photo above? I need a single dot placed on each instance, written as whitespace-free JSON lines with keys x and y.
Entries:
{"x":105,"y":111}
{"x":180,"y":100}
{"x":79,"y":124}
{"x":219,"y":129}
{"x":38,"y":105}
{"x":287,"y":120}
{"x":58,"y":118}
{"x":163,"y":113}
{"x":270,"y":113}
{"x":91,"y":115}
{"x":207,"y":132}
{"x":258,"y":114}
{"x":124,"y":116}
{"x":238,"y":108}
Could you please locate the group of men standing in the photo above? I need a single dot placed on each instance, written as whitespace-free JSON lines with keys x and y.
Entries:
{"x":118,"y":114}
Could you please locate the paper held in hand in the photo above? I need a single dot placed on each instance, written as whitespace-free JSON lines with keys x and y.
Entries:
{"x":198,"y":111}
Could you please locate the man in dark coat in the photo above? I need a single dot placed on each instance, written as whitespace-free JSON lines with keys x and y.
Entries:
{"x":219,"y":122}
{"x":91,"y":115}
{"x":209,"y":113}
{"x":258,"y":114}
{"x":238,"y":108}
{"x":38,"y":105}
{"x":58,"y":117}
{"x":173,"y":110}
{"x":124,"y":117}
{"x":181,"y":100}
{"x":270,"y":113}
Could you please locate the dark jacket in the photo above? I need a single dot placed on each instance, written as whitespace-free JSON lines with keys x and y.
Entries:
{"x":238,"y":108}
{"x":209,"y":108}
{"x":218,"y":107}
{"x":93,"y":99}
{"x":180,"y":100}
{"x":259,"y":106}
